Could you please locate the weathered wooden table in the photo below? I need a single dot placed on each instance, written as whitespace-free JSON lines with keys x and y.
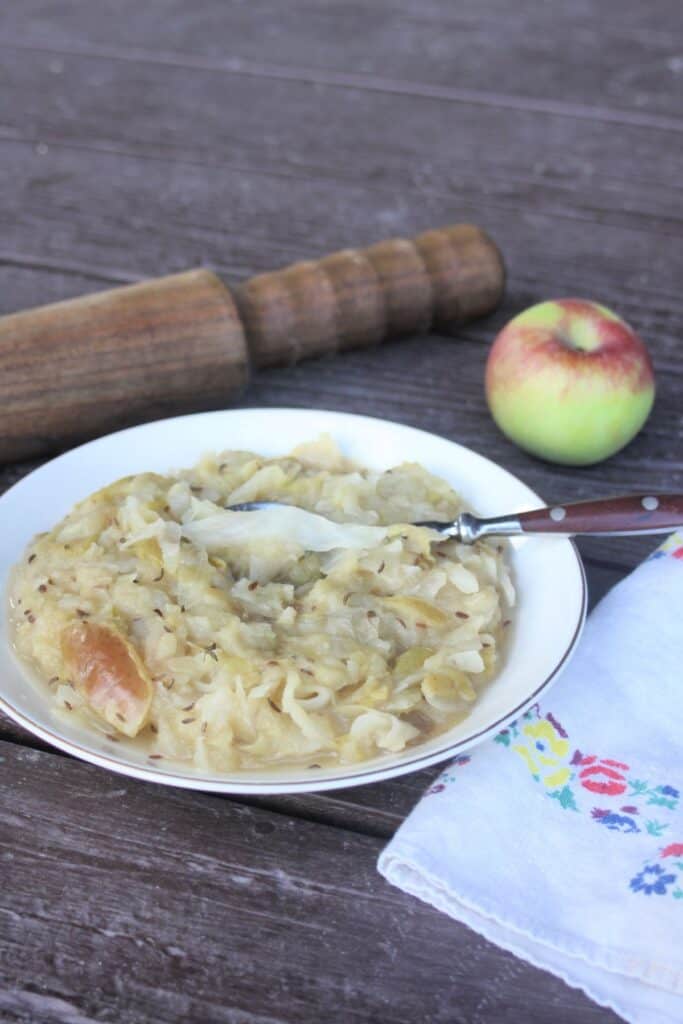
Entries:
{"x":141,"y":138}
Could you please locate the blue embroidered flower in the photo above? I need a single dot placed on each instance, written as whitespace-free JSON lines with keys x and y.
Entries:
{"x":652,"y":879}
{"x":615,"y":822}
{"x":668,"y":791}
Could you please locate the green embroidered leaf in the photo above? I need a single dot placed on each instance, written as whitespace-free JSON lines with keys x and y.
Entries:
{"x":663,"y":801}
{"x":678,"y":864}
{"x":565,"y":798}
{"x":655,"y":828}
{"x":677,"y":894}
{"x":502,"y":737}
{"x":637,"y":787}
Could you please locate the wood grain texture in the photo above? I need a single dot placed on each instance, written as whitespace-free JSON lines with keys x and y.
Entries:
{"x":104,"y":361}
{"x":143,"y":139}
{"x":399,"y":287}
{"x":212,"y":911}
{"x":616,"y":58}
{"x":79,"y":368}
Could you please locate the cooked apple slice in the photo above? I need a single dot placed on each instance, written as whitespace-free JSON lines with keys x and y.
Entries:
{"x":108,"y":671}
{"x":447,"y":688}
{"x":411,"y":661}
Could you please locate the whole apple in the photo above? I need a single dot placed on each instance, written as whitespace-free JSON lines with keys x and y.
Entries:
{"x":570,"y":381}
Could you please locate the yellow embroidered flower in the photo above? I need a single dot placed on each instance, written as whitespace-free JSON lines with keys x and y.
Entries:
{"x":672,"y":543}
{"x":545,"y":753}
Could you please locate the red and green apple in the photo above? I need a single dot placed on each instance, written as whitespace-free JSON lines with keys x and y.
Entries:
{"x":570,"y":381}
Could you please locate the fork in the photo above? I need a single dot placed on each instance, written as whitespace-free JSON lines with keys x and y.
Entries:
{"x":611,"y":517}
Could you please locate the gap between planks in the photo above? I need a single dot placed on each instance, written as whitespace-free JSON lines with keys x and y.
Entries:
{"x":126,"y":151}
{"x":323,"y":808}
{"x":360,"y":81}
{"x":213,"y":891}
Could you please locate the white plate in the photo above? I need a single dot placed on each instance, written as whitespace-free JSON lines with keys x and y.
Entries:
{"x":548,"y":575}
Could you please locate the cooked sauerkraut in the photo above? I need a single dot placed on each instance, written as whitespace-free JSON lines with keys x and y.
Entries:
{"x":232,"y":651}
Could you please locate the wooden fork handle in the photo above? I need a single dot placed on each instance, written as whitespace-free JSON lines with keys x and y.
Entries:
{"x":646,"y":513}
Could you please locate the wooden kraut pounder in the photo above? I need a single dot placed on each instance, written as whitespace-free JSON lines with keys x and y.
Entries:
{"x":185,"y":342}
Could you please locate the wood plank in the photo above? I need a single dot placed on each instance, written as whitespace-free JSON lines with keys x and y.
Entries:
{"x":334,"y":206}
{"x":385,"y":380}
{"x":56,"y":207}
{"x":620,"y":58}
{"x":375,"y":810}
{"x":186,"y":907}
{"x":606,"y":214}
{"x":142,"y":140}
{"x":300,"y":128}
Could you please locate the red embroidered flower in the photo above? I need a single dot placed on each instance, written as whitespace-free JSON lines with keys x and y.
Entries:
{"x":673,"y":850}
{"x":603,"y":775}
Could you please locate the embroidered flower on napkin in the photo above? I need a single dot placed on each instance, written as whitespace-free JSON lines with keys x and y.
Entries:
{"x":576,"y":810}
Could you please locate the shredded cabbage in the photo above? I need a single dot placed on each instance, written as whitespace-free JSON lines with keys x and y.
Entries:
{"x":287,"y":524}
{"x":313,"y":634}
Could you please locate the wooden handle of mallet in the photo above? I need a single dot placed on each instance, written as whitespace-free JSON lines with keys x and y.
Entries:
{"x":79,"y":368}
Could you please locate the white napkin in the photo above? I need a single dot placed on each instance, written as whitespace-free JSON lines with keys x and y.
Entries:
{"x":562,"y":839}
